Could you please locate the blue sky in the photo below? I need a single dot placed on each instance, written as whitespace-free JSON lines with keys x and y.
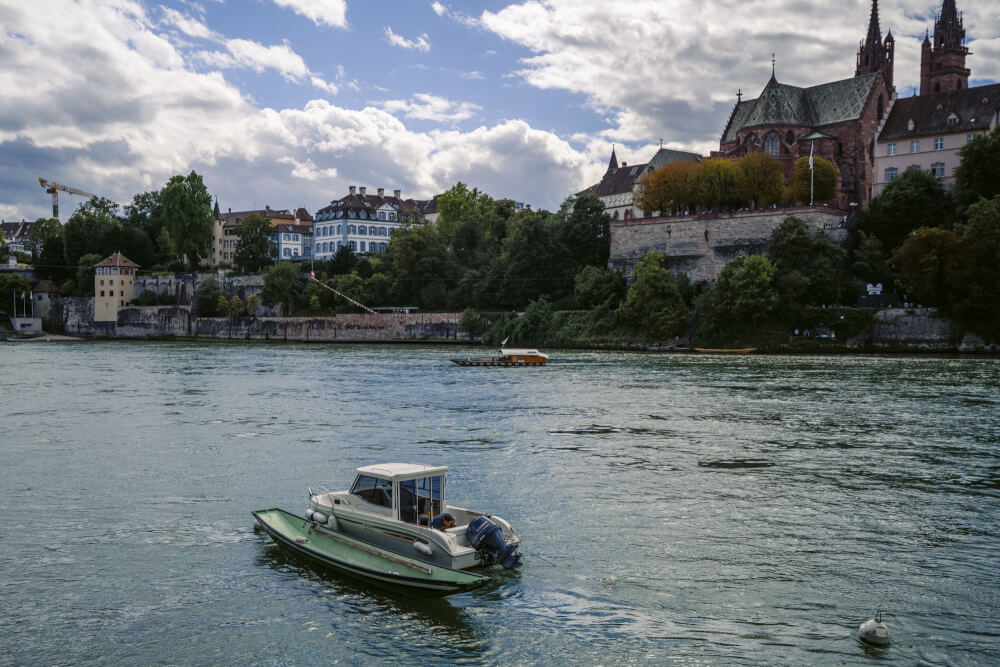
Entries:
{"x":289,"y":102}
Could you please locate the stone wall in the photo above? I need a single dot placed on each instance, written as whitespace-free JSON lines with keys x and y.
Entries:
{"x":701,"y":245}
{"x":924,"y":330}
{"x":182,"y":286}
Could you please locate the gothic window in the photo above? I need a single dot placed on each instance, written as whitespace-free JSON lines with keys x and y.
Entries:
{"x":772,"y":145}
{"x":789,"y":139}
{"x":751,"y":141}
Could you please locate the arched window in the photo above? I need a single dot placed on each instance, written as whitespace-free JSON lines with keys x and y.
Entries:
{"x":750,"y":143}
{"x":789,"y":140}
{"x":772,"y":145}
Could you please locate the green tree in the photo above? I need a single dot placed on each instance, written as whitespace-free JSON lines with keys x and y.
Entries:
{"x":744,"y":289}
{"x":653,"y":303}
{"x":353,"y":286}
{"x":914,"y":199}
{"x":761,"y":181}
{"x":584,"y":231}
{"x":534,"y":325}
{"x":978,"y":173}
{"x":979,"y":307}
{"x":222,"y":306}
{"x":206,"y":297}
{"x":12,"y":286}
{"x":530,"y":253}
{"x":146,"y":213}
{"x":94,"y":228}
{"x":254,"y":248}
{"x":253,"y":305}
{"x":283,"y":286}
{"x":187,"y":212}
{"x":931,"y":266}
{"x":236,"y":307}
{"x":718,"y":184}
{"x":870,"y":262}
{"x":85,"y":273}
{"x":597,"y":285}
{"x":822,"y":181}
{"x":344,"y":261}
{"x":807,"y":267}
{"x":48,"y":251}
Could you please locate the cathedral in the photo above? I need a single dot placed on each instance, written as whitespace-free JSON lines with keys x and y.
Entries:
{"x":838,"y":121}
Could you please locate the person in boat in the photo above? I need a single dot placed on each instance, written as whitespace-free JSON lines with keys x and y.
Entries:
{"x":443,"y":521}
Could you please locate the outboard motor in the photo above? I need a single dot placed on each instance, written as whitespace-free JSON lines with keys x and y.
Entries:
{"x":490,"y":545}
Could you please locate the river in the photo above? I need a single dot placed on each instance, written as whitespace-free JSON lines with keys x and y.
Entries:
{"x":673,"y":509}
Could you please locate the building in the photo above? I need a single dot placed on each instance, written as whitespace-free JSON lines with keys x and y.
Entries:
{"x":293,"y":240}
{"x":617,"y":188}
{"x":838,"y":121}
{"x":17,"y":236}
{"x":226,"y":229}
{"x":114,"y":286}
{"x":365,"y":222}
{"x":927,"y":131}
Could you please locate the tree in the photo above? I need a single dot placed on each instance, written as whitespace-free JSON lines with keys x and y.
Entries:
{"x":978,"y":173}
{"x":253,"y":305}
{"x":932,"y":266}
{"x":85,"y":273}
{"x":282,"y":285}
{"x":206,"y":297}
{"x":821,"y":184}
{"x":222,"y":306}
{"x":653,"y":303}
{"x":718,"y":184}
{"x":94,"y":228}
{"x":353,"y":286}
{"x":254,"y":247}
{"x":584,"y":230}
{"x":912,"y":200}
{"x":12,"y":286}
{"x":979,"y":307}
{"x":343,"y":261}
{"x":187,"y":211}
{"x":671,"y":188}
{"x":761,"y":181}
{"x":597,"y":285}
{"x":48,"y":251}
{"x":807,"y":267}
{"x":530,"y":253}
{"x":146,"y":213}
{"x":744,"y":289}
{"x":236,"y":306}
{"x":870,"y":261}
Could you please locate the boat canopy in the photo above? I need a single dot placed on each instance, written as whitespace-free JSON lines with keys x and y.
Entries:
{"x":401,"y":471}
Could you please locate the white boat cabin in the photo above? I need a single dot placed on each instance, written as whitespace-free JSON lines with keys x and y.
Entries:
{"x":411,"y":492}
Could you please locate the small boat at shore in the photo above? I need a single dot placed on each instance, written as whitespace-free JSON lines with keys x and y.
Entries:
{"x":710,"y":350}
{"x":672,"y":349}
{"x":508,"y":357}
{"x":365,"y":560}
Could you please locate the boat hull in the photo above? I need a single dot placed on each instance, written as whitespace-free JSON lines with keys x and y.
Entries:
{"x":706,"y":350}
{"x":498,"y":362}
{"x":363,"y":560}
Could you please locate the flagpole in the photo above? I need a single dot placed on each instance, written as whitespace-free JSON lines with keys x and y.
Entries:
{"x":811,"y":172}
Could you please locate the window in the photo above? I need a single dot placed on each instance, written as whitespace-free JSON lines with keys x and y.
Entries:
{"x":915,"y":146}
{"x":102,"y":292}
{"x":939,"y":143}
{"x":772,"y":145}
{"x":420,"y":499}
{"x":952,"y":120}
{"x":381,"y":215}
{"x":381,"y":231}
{"x":352,"y":229}
{"x":362,"y":246}
{"x":751,"y":141}
{"x":891,"y":149}
{"x":287,"y":252}
{"x":288,"y":237}
{"x":938,"y":169}
{"x":375,"y":491}
{"x":890,"y":174}
{"x":295,"y":237}
{"x":969,"y":137}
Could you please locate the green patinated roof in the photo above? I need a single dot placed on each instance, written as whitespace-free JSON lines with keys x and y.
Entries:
{"x":781,"y":104}
{"x":665,"y":156}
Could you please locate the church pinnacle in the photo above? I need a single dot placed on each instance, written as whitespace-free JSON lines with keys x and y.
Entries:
{"x":876,"y":54}
{"x":942,"y":60}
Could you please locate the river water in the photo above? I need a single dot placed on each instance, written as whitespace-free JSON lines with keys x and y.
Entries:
{"x":673,"y":509}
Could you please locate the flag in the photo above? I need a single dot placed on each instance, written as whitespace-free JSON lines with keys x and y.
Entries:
{"x":810,"y":155}
{"x":22,"y":295}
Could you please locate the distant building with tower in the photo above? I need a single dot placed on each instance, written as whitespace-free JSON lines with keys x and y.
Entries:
{"x":114,"y":286}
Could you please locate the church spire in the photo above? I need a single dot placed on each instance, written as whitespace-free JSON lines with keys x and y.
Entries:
{"x":942,"y":62}
{"x":613,"y":162}
{"x":876,"y":54}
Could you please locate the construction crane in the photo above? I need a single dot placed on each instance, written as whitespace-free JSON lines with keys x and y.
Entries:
{"x":53,"y":189}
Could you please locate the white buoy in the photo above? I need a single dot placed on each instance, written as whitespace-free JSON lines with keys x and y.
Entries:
{"x":874,"y":631}
{"x":331,"y":523}
{"x":423,"y":548}
{"x":319,"y":517}
{"x":309,"y":514}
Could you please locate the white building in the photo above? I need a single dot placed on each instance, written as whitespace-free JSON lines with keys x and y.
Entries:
{"x":365,"y":222}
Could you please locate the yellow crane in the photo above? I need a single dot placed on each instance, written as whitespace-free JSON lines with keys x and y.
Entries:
{"x":53,"y":189}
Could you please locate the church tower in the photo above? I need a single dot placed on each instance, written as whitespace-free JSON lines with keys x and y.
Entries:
{"x":874,"y":54}
{"x":942,"y":63}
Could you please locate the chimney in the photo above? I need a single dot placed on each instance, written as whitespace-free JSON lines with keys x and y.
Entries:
{"x":353,"y":189}
{"x":230,"y":209}
{"x":364,"y":190}
{"x":396,"y":193}
{"x":381,"y":192}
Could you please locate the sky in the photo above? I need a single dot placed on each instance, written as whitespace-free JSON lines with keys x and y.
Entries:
{"x":287,"y":103}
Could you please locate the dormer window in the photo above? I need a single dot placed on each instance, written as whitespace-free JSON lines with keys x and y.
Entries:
{"x":952,"y":120}
{"x":910,"y":125}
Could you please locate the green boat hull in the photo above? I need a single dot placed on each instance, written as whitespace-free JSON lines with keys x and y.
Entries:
{"x":361,"y":559}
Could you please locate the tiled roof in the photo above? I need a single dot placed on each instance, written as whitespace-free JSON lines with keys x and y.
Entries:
{"x":117,"y":259}
{"x":665,"y":156}
{"x":616,"y":181}
{"x":782,"y":104}
{"x":295,"y":229}
{"x":973,"y":109}
{"x":47,"y":287}
{"x":359,"y":202}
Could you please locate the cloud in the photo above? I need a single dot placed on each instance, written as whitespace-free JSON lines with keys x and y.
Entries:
{"x":471,"y":75}
{"x":421,"y":43}
{"x":189,"y":26}
{"x":243,"y":53}
{"x":332,"y":13}
{"x":425,"y":106}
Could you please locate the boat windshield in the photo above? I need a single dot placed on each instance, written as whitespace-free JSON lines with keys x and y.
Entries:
{"x":420,"y":499}
{"x":374,"y":490}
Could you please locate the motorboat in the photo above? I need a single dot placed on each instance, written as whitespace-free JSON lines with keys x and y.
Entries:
{"x":396,"y":506}
{"x":361,"y":559}
{"x":710,"y":350}
{"x":516,"y":356}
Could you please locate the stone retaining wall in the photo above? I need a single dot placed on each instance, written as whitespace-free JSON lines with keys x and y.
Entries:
{"x":701,"y":245}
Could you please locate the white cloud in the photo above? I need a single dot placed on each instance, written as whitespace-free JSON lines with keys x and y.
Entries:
{"x":439,"y":9}
{"x":471,"y":75}
{"x":421,"y":43}
{"x":331,"y":13}
{"x":425,"y":106}
{"x":243,"y":53}
{"x":307,"y":170}
{"x":189,"y":26}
